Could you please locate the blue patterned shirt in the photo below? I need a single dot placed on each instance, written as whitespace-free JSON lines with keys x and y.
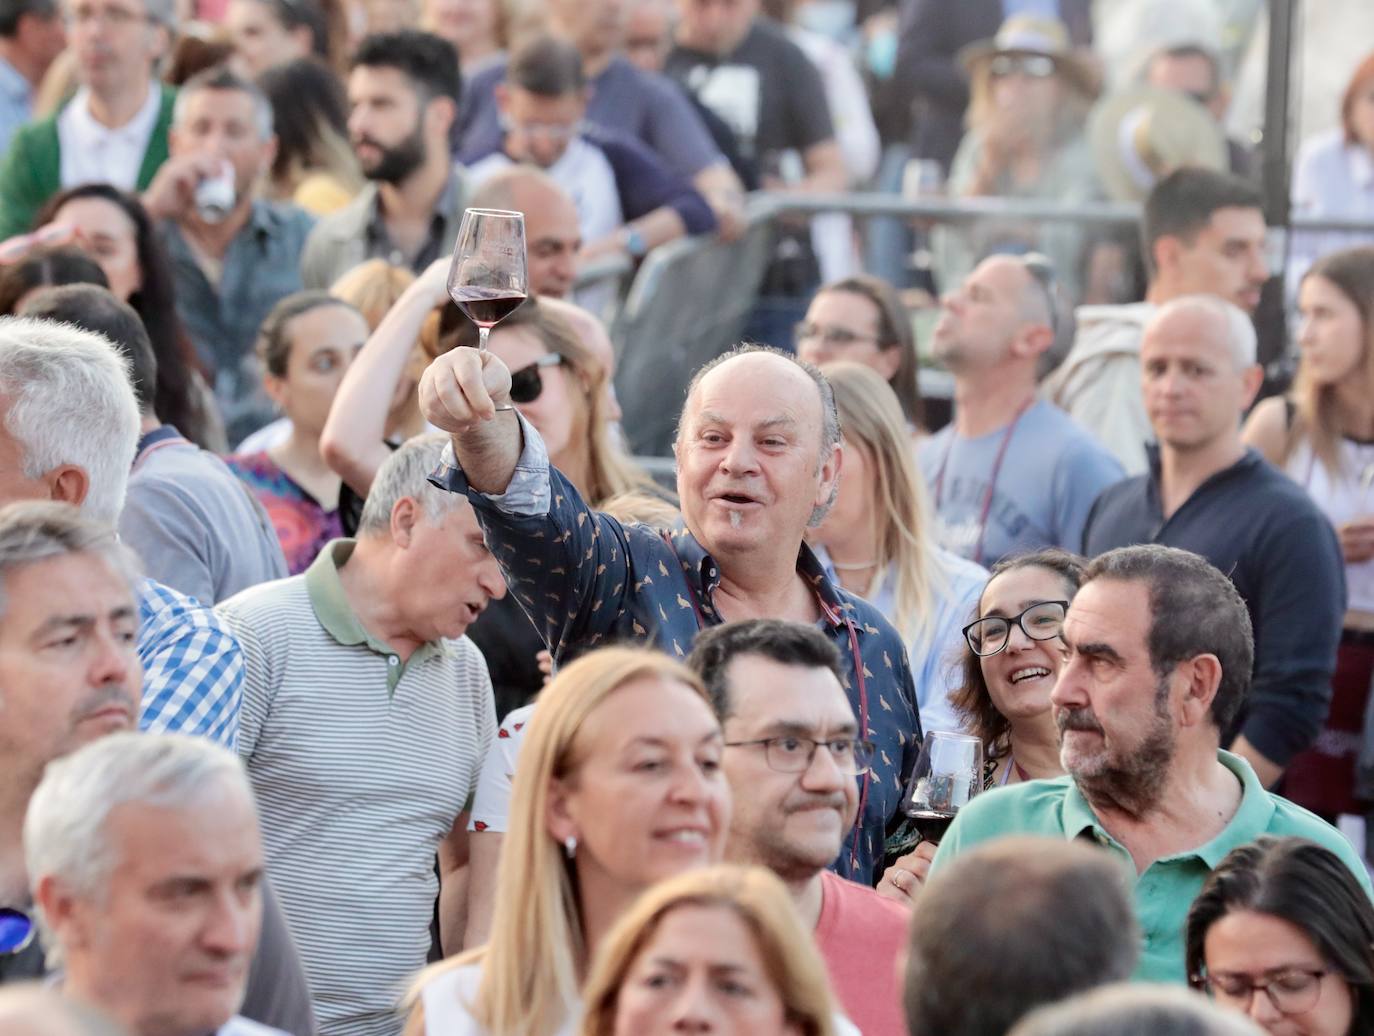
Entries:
{"x":587,"y":579}
{"x":192,"y":667}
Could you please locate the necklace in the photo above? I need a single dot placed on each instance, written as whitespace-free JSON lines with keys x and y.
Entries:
{"x":854,"y":567}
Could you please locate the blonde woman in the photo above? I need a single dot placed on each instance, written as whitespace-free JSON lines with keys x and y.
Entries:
{"x":1322,"y":435}
{"x":655,"y":971}
{"x":876,"y":540}
{"x":619,"y":786}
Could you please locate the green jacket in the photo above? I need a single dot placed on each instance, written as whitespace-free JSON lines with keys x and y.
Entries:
{"x":30,"y":172}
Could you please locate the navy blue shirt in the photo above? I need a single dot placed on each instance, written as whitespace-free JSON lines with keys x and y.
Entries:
{"x":1259,"y":527}
{"x":586,"y":579}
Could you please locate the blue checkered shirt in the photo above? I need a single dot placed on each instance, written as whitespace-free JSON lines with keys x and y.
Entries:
{"x":192,"y":667}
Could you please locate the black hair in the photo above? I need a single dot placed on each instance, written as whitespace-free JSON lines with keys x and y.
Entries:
{"x":13,"y":10}
{"x":176,"y":400}
{"x":274,"y":344}
{"x":1194,"y":610}
{"x":307,"y":100}
{"x":1182,"y":204}
{"x":427,"y":60}
{"x":1308,"y":886}
{"x":44,"y":267}
{"x":787,"y":643}
{"x":295,"y":14}
{"x":548,"y":67}
{"x":93,"y":308}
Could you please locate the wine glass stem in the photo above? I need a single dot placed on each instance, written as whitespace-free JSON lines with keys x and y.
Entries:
{"x":482,"y":333}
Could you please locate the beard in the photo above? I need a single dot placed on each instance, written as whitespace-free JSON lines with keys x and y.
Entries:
{"x":1132,"y":780}
{"x":396,"y":163}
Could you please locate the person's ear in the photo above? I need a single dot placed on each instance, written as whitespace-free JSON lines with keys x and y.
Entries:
{"x":1200,"y":676}
{"x":440,"y":113}
{"x":558,"y":814}
{"x":68,"y":484}
{"x":1251,"y":380}
{"x":405,"y":515}
{"x":62,"y":912}
{"x":829,"y":477}
{"x":1167,"y":250}
{"x":1032,"y":341}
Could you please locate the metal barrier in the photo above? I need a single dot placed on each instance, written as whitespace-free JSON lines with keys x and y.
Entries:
{"x":690,"y":299}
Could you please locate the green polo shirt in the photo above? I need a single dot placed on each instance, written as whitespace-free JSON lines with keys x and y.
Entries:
{"x":336,"y":615}
{"x":1166,"y":890}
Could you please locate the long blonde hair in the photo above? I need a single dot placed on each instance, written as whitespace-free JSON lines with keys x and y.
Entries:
{"x":1351,"y":272}
{"x":529,"y":984}
{"x":759,"y":899}
{"x":609,"y":472}
{"x":871,"y":417}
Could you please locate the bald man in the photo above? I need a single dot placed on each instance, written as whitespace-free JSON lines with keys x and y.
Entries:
{"x":552,"y":237}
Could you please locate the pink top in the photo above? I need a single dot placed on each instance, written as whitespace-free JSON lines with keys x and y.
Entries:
{"x":860,"y":935}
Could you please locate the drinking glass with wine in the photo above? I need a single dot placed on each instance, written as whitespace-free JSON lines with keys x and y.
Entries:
{"x":949,"y":772}
{"x":488,"y":278}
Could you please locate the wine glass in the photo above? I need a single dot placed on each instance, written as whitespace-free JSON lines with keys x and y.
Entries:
{"x":948,"y":773}
{"x":487,"y":279}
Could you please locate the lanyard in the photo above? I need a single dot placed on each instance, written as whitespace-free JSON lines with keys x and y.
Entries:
{"x":986,"y":509}
{"x":861,"y":684}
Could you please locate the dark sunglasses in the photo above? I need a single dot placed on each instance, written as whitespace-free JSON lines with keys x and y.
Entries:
{"x":527,"y":383}
{"x":16,"y":931}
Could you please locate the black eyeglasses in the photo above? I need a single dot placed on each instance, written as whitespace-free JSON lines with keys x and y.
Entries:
{"x":792,"y":753}
{"x":841,"y":337}
{"x":1043,"y":620}
{"x":1041,"y":269}
{"x":527,"y":383}
{"x":16,"y":931}
{"x":1290,"y":990}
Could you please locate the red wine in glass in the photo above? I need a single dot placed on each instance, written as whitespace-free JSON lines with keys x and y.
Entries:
{"x":931,"y":824}
{"x":485,"y":307}
{"x":488,"y":278}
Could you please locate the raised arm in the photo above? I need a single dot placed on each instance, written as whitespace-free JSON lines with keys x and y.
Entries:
{"x":353,"y":439}
{"x":459,"y":394}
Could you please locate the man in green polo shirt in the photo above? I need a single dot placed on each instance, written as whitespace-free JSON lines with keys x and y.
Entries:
{"x":1159,"y":656}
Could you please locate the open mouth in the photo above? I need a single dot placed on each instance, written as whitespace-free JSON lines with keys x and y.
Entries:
{"x":688,"y":837}
{"x":1034,"y":672}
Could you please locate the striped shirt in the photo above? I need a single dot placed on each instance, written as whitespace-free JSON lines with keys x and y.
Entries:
{"x":361,"y":764}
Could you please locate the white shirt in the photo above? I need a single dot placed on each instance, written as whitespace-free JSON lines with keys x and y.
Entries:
{"x":239,"y":1026}
{"x":1333,"y":180}
{"x":95,"y":153}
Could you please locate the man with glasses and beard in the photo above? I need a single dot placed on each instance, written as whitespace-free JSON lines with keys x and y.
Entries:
{"x":403,"y":95}
{"x":1159,"y":650}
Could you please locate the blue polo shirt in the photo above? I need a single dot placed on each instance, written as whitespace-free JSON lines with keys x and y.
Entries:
{"x":1168,"y":887}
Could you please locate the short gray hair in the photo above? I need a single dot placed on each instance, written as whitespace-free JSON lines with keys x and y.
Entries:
{"x":1241,"y":340}
{"x":1123,"y":1009}
{"x":220,"y":77}
{"x":35,"y":530}
{"x":406,"y":474}
{"x":70,"y":401}
{"x":830,"y":413}
{"x":64,"y":828}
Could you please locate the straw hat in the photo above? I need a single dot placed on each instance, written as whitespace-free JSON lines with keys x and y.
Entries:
{"x":1142,"y":134}
{"x":1039,"y":37}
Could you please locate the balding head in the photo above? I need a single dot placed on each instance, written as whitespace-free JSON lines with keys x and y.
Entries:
{"x":1210,"y":319}
{"x":552,"y":232}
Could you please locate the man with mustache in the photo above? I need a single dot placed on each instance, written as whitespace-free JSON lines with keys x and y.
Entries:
{"x":794,"y":750}
{"x":146,"y":864}
{"x":1159,"y":655}
{"x":403,"y":97}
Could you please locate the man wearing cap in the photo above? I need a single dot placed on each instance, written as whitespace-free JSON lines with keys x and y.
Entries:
{"x":1030,"y":96}
{"x":1203,"y":234}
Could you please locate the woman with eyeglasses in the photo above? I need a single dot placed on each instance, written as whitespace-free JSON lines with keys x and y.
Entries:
{"x":1012,"y":657}
{"x":305,"y":345}
{"x":876,"y":540}
{"x":618,"y":786}
{"x":861,"y":319}
{"x":1283,"y":932}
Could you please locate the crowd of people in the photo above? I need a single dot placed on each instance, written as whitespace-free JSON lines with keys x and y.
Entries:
{"x":356,"y":680}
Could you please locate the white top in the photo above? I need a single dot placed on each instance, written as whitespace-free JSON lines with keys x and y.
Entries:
{"x":491,"y":805}
{"x":94,"y":153}
{"x":1333,"y":180}
{"x":240,"y":1026}
{"x":446,"y":995}
{"x":1342,"y":499}
{"x":586,"y":174}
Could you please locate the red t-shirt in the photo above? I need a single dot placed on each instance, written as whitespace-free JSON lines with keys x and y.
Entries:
{"x":860,"y":935}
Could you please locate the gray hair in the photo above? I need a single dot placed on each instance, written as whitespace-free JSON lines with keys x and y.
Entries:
{"x":1241,"y":340}
{"x":32,"y":531}
{"x":64,"y":828}
{"x":221,"y":78}
{"x":406,"y":474}
{"x":1123,"y":1009}
{"x":830,"y":412}
{"x":70,"y":401}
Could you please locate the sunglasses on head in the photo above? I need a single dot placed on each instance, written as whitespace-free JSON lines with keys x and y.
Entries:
{"x":1032,"y":66}
{"x":527,"y":383}
{"x":16,"y":931}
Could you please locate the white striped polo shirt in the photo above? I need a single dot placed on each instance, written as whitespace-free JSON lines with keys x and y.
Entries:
{"x":361,"y":764}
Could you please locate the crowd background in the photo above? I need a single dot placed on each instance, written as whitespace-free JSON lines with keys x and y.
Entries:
{"x":354,"y":681}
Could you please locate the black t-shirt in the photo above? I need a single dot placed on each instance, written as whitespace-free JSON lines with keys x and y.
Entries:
{"x":766,"y":90}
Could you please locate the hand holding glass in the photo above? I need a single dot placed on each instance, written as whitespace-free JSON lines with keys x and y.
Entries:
{"x":488,"y":279}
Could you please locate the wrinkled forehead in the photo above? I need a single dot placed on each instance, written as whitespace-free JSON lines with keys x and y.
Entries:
{"x":756,"y":389}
